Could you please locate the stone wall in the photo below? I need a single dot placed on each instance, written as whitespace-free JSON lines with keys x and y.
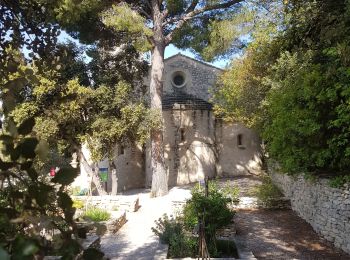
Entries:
{"x":196,"y":144}
{"x":189,"y":138}
{"x":111,"y":203}
{"x":130,"y":169}
{"x":200,"y":77}
{"x":238,"y":148}
{"x":326,"y":209}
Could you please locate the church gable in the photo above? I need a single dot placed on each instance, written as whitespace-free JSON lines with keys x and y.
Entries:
{"x":187,"y":82}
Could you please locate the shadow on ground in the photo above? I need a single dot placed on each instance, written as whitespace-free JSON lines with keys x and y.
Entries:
{"x":281,"y":234}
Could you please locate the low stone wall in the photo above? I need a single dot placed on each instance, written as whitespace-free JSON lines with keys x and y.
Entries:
{"x":325,"y":208}
{"x":108,"y":202}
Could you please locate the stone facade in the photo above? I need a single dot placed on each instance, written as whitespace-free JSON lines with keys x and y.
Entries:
{"x":196,"y":143}
{"x":326,"y":209}
{"x":130,"y":169}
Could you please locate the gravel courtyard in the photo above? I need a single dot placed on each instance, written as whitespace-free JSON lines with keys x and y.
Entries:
{"x":269,"y":234}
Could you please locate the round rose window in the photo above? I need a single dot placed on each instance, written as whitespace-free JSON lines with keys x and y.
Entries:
{"x":178,"y":79}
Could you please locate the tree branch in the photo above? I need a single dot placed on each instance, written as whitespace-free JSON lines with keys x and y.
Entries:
{"x":165,"y":13}
{"x":195,"y":12}
{"x":192,"y":6}
{"x":147,"y":15}
{"x":177,"y":18}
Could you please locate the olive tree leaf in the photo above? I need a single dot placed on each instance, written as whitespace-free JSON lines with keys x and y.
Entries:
{"x":64,"y":201}
{"x":26,"y":127}
{"x":27,"y":147}
{"x":65,"y":176}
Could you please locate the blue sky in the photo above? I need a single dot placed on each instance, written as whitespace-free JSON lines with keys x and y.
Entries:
{"x":169,"y":51}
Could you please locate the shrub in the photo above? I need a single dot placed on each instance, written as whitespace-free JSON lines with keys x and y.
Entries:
{"x":213,"y":209}
{"x":267,"y":192}
{"x":97,"y":214}
{"x":339,"y":181}
{"x":178,"y":231}
{"x":231,"y":192}
{"x":171,"y":231}
{"x":166,"y":227}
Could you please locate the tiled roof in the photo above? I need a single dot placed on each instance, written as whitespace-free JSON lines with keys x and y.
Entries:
{"x":181,"y":98}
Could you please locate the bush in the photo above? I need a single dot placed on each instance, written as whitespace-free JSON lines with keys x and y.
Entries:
{"x":267,"y":192}
{"x":213,"y":209}
{"x":231,"y":192}
{"x":166,"y":227}
{"x":339,"y":181}
{"x":171,"y":231}
{"x":97,"y":214}
{"x":178,"y":232}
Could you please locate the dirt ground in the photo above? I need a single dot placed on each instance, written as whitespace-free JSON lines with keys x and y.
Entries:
{"x":281,"y":234}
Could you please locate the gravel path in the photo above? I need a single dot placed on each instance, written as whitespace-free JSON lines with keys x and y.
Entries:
{"x":135,"y":240}
{"x":281,"y":234}
{"x":269,"y":234}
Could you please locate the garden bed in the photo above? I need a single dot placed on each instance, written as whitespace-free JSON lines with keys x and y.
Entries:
{"x":112,"y":225}
{"x":240,"y":251}
{"x":91,"y":241}
{"x":226,"y":249}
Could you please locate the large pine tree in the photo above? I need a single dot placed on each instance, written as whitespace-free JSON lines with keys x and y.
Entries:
{"x":152,"y":25}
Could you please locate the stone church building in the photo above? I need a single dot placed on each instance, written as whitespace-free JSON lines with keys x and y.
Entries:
{"x":196,"y":143}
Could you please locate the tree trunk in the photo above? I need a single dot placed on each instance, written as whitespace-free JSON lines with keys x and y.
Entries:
{"x":94,"y":174}
{"x":114,"y":177}
{"x":159,"y":176}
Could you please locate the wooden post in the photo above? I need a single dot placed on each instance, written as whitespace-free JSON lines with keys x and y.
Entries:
{"x":203,"y":249}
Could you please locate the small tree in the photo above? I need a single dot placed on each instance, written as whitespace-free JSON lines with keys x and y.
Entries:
{"x":30,"y":203}
{"x":119,"y":122}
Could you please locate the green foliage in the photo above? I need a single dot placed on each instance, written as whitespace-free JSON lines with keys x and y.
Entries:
{"x":119,"y":121}
{"x":171,"y":231}
{"x":177,"y":232}
{"x":293,"y":86}
{"x":339,"y":181}
{"x":108,"y":67}
{"x":31,"y":205}
{"x":267,"y":192}
{"x":213,"y":209}
{"x":317,"y":129}
{"x":225,"y":36}
{"x":30,"y":200}
{"x":205,"y":27}
{"x":175,"y":6}
{"x":68,"y":113}
{"x":166,"y":227}
{"x":78,"y":204}
{"x":97,"y":214}
{"x":123,"y":18}
{"x":231,"y":191}
{"x":241,"y":90}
